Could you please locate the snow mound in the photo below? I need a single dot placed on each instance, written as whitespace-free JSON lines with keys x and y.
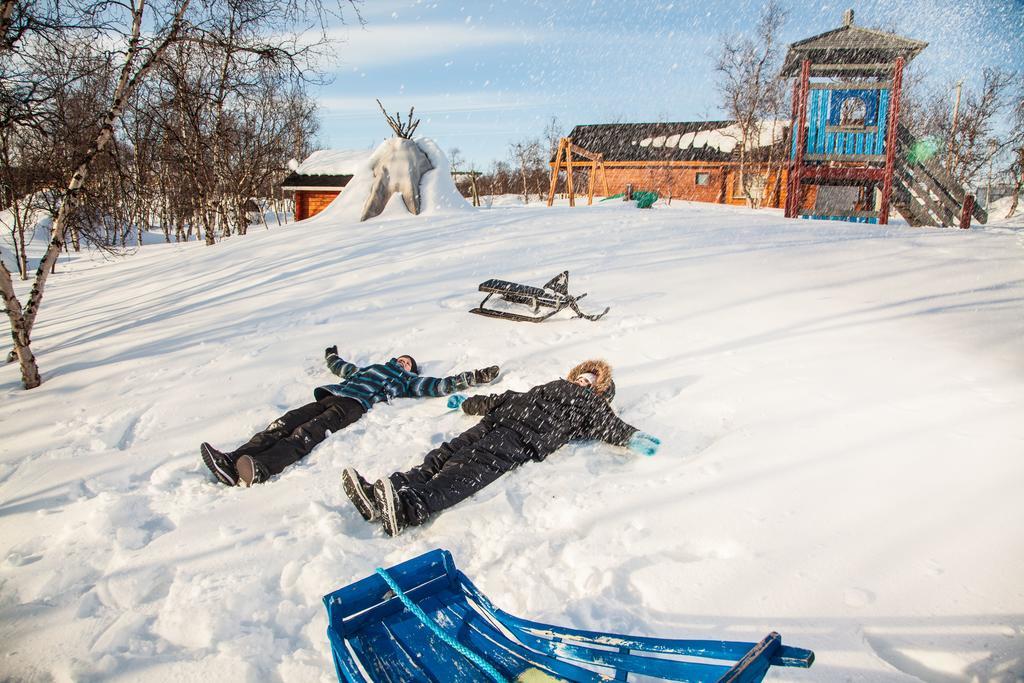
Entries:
{"x":438,"y":194}
{"x":997,"y":213}
{"x":37,"y":233}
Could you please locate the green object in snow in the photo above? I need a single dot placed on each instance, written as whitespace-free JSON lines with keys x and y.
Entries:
{"x":644,"y":200}
{"x":922,"y":150}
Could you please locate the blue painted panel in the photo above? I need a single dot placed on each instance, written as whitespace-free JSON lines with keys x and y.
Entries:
{"x":824,"y":107}
{"x":384,"y":665}
{"x":823,"y":110}
{"x":432,"y":654}
{"x":822,"y":118}
{"x":868,"y":97}
{"x":812,"y":115}
{"x":883,"y":118}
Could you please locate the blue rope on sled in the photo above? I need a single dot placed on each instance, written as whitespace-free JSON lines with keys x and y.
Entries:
{"x":455,"y":645}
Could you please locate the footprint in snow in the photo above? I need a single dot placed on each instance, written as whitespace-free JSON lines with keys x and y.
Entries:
{"x":24,"y":554}
{"x":858,"y":597}
{"x":129,"y":521}
{"x":454,"y":303}
{"x":125,"y":590}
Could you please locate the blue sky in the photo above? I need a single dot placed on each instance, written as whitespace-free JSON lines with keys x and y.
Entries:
{"x":483,"y":75}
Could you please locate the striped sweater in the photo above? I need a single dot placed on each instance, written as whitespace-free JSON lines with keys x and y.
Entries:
{"x":385,"y":381}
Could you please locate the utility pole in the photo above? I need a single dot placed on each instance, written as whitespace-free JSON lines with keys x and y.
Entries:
{"x":952,"y":129}
{"x":992,"y":148}
{"x":472,"y":184}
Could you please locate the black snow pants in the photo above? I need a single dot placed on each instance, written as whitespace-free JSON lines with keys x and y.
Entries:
{"x":457,"y":469}
{"x":292,"y":436}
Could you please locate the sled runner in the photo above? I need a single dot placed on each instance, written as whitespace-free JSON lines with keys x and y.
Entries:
{"x":554,"y":295}
{"x":423,"y":620}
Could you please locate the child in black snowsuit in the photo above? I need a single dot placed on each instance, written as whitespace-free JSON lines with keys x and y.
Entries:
{"x":336,"y":406}
{"x":516,"y":428}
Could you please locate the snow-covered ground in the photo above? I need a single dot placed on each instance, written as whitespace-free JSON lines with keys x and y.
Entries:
{"x":840,"y":407}
{"x":38,"y":239}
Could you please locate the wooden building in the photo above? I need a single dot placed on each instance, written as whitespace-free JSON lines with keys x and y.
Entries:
{"x":689,"y":160}
{"x":321,"y":177}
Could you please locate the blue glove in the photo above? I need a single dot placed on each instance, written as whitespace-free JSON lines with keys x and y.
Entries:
{"x":455,"y":401}
{"x":643,"y":443}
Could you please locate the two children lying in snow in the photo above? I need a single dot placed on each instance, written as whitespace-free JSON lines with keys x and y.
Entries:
{"x":292,"y":436}
{"x":516,"y":427}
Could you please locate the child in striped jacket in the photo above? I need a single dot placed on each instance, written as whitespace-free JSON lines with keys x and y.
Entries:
{"x":293,"y":435}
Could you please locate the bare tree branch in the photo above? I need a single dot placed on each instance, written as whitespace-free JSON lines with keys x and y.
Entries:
{"x":402,"y":130}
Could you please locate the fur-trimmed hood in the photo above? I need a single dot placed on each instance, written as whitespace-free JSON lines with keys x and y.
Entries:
{"x":599,"y":368}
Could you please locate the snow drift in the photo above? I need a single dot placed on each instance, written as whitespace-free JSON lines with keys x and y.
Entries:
{"x":438,"y":194}
{"x":839,"y":406}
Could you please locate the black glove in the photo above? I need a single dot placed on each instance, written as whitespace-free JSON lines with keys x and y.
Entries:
{"x":329,"y":350}
{"x":484,"y":375}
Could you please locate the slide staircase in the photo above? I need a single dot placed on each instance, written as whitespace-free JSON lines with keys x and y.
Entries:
{"x":924,"y":193}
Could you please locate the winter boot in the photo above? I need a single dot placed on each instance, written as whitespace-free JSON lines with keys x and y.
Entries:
{"x":360,"y":492}
{"x":221,"y":465}
{"x":249,"y":471}
{"x":388,"y":506}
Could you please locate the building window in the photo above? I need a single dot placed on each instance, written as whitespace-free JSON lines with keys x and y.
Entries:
{"x":702,"y":179}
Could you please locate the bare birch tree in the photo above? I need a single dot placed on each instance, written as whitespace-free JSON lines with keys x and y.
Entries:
{"x":750,"y":89}
{"x":527,"y":156}
{"x":969,"y":146}
{"x":144,"y":31}
{"x":1016,"y":145}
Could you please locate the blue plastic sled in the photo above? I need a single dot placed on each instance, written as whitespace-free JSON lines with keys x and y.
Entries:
{"x":375,"y":637}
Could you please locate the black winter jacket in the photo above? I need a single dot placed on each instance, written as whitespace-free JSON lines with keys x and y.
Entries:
{"x":550,"y":415}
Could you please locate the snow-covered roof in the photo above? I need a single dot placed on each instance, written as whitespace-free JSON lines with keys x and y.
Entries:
{"x":334,"y":162}
{"x":326,"y":169}
{"x":722,"y":139}
{"x":850,"y":45}
{"x":679,"y":141}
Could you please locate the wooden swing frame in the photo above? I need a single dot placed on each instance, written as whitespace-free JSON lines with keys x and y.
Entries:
{"x":563,"y":157}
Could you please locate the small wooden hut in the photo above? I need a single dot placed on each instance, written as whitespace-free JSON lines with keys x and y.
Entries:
{"x":322,"y":177}
{"x":690,"y":160}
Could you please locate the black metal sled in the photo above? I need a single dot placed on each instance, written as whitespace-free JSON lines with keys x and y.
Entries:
{"x":554,"y":295}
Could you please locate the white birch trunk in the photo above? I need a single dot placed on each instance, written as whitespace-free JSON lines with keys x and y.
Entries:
{"x":19,"y":332}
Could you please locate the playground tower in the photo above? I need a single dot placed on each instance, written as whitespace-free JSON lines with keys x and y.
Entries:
{"x":847,"y":141}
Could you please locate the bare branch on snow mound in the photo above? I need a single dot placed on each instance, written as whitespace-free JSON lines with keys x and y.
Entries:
{"x":402,"y":130}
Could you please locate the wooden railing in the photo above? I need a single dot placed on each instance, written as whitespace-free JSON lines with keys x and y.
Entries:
{"x":927,"y":191}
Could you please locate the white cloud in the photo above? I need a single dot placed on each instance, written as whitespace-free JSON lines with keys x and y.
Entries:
{"x":429,"y":105}
{"x":396,"y":44}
